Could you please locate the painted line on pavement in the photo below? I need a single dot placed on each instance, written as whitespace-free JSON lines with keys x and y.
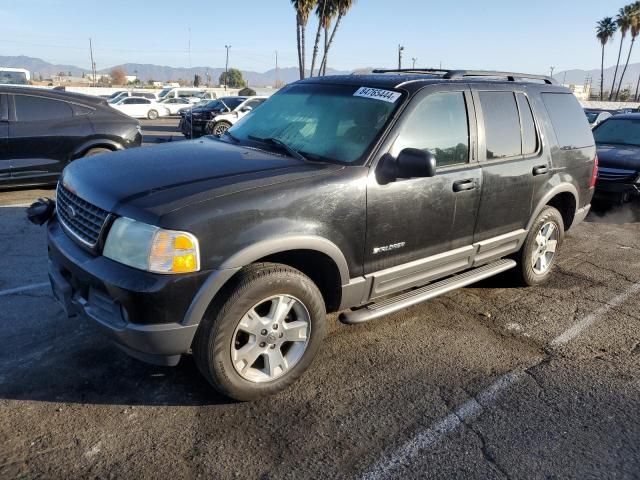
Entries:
{"x":13,"y":291}
{"x":403,"y":456}
{"x":16,"y":205}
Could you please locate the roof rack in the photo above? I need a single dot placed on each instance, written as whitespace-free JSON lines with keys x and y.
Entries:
{"x":457,"y":74}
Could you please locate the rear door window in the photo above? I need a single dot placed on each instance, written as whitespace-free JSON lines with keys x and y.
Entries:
{"x":34,"y":109}
{"x":501,"y":124}
{"x":569,"y":121}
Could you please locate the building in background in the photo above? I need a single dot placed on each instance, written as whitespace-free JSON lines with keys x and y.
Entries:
{"x":582,"y":92}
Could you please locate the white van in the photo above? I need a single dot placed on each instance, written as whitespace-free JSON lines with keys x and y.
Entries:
{"x":192,"y":94}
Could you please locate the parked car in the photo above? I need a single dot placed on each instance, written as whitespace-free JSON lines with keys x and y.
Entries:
{"x":174,"y":105}
{"x":139,"y":107}
{"x":217,"y":116}
{"x":41,"y":131}
{"x":192,"y":94}
{"x":595,"y":116}
{"x":122,"y":95}
{"x":618,"y":144}
{"x":359,"y":193}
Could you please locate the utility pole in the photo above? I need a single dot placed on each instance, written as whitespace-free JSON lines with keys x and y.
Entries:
{"x":564,"y":78}
{"x":93,"y":64}
{"x":551,"y":68}
{"x":277,"y":85}
{"x":400,"y":49}
{"x":635,"y":97}
{"x":414,"y":60}
{"x":226,"y":68}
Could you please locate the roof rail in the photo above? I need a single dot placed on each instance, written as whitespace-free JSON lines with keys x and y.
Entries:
{"x":457,"y":74}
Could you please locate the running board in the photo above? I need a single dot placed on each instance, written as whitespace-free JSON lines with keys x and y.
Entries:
{"x":412,"y":297}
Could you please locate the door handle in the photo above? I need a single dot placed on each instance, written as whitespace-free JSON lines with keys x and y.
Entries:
{"x":540,"y":170}
{"x":464,"y":185}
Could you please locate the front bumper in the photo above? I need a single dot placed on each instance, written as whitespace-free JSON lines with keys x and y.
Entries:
{"x":142,"y":312}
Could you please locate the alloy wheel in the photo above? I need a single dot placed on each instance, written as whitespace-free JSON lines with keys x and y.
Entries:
{"x":544,"y":248}
{"x":271,"y":338}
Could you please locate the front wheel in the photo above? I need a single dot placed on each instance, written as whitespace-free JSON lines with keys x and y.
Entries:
{"x":263,"y":335}
{"x":538,"y":255}
{"x":152,"y":114}
{"x":219,"y":128}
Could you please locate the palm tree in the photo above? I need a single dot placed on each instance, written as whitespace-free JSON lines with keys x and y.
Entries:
{"x":303,"y":11}
{"x":323,"y":11}
{"x":633,"y":11}
{"x":342,"y":7}
{"x":623,"y":22}
{"x":605,"y":30}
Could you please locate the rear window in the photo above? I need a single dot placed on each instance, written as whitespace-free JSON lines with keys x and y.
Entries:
{"x":568,"y":119}
{"x":33,"y":109}
{"x":529,"y":136}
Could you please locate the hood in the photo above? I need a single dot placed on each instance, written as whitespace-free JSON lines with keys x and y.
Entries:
{"x":146,"y":183}
{"x":619,"y":156}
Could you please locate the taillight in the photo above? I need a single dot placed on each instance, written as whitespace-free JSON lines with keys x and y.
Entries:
{"x":594,"y":173}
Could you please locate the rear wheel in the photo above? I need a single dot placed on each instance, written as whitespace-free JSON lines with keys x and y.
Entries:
{"x":96,"y":151}
{"x":152,"y":114}
{"x":538,"y":255}
{"x":263,"y":335}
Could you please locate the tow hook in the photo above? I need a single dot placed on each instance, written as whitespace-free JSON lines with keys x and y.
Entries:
{"x":41,"y":211}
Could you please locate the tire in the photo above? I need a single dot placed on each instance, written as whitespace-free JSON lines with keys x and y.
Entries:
{"x":527,"y":272}
{"x":152,"y":114}
{"x":250,"y":305}
{"x":96,"y":151}
{"x":219,"y":129}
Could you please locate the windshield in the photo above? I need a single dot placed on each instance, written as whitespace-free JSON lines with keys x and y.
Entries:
{"x":164,"y":91}
{"x":117,"y":98}
{"x":621,"y":131}
{"x":592,"y":116}
{"x":13,"y":78}
{"x":331,"y":122}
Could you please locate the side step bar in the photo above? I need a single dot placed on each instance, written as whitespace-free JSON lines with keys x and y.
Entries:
{"x":412,"y":297}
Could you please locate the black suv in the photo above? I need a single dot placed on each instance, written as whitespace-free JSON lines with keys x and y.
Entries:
{"x":41,"y":131}
{"x":364,"y":194}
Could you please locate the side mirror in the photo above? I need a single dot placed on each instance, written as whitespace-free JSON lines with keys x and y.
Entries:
{"x":413,"y":162}
{"x":246,"y":109}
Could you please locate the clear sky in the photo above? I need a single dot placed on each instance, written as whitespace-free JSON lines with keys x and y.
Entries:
{"x":493,"y":34}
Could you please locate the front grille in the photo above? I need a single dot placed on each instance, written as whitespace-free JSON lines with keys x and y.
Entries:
{"x":616,"y":175}
{"x":82,"y":219}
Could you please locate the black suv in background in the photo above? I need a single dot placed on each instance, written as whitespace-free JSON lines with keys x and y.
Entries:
{"x":41,"y":131}
{"x":363,"y":193}
{"x":618,"y":143}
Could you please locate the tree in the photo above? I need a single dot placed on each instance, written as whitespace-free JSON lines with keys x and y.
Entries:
{"x":623,"y":22}
{"x":235,"y":79}
{"x":633,"y":11}
{"x":343,"y":7}
{"x":196,"y":80}
{"x":303,"y":12}
{"x":625,"y":95}
{"x":323,"y":12}
{"x":118,"y":76}
{"x":605,"y":30}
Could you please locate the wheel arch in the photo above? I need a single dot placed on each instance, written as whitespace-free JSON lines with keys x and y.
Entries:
{"x":318,"y":258}
{"x":96,"y":143}
{"x":563,"y":197}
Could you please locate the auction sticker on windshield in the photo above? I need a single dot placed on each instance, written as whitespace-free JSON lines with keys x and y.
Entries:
{"x":377,"y":94}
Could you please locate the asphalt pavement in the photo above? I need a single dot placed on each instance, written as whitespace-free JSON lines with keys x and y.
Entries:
{"x":492,"y":381}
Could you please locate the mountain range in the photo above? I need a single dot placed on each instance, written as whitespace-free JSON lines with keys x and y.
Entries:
{"x":160,"y":73}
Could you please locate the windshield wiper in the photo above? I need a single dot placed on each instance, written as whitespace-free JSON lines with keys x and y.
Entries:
{"x":283,"y":146}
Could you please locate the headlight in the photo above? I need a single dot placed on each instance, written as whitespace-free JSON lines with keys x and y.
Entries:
{"x":152,"y":248}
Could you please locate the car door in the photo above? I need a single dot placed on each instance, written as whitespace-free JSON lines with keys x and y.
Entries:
{"x":43,"y":136}
{"x":5,"y":160}
{"x":512,"y":161}
{"x":419,"y":229}
{"x":129,"y":106}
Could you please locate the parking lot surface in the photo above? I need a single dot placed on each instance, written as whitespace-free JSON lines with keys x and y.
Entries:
{"x":487,"y":382}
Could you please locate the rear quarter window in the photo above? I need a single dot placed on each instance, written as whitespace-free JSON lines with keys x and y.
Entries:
{"x":569,"y":121}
